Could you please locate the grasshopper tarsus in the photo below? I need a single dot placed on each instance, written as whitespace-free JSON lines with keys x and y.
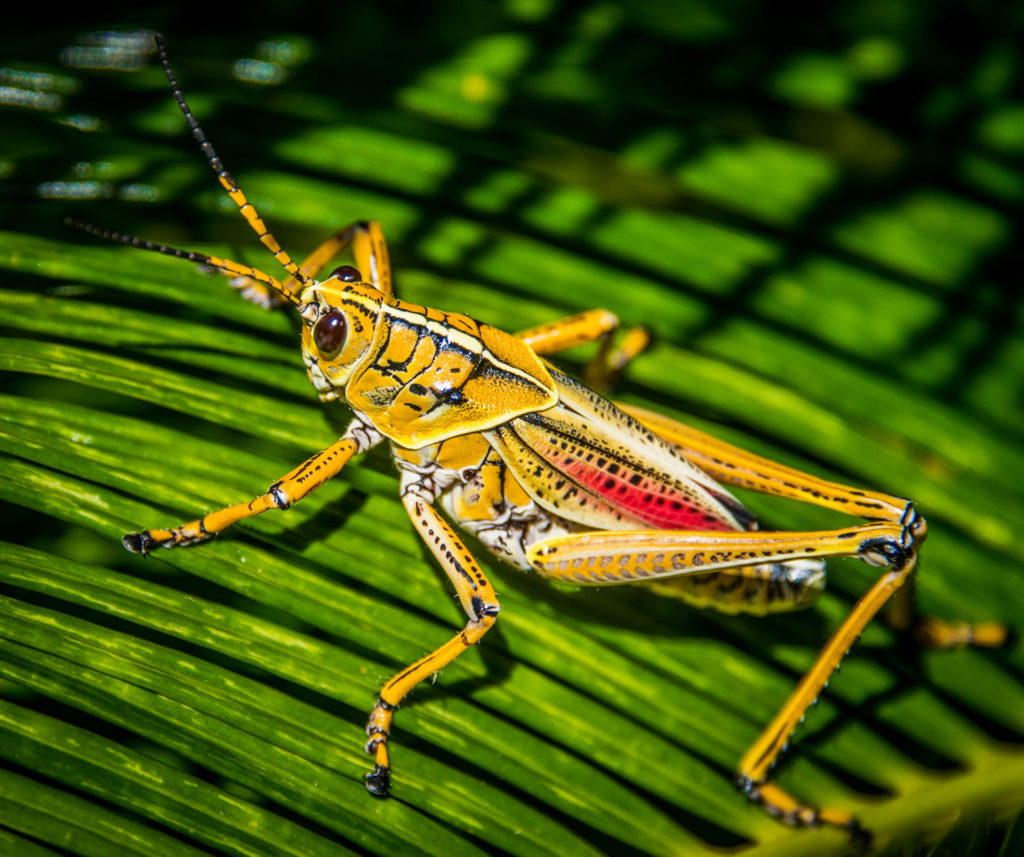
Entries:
{"x":138,"y":542}
{"x":378,"y":781}
{"x":861,"y":839}
{"x":885,"y":552}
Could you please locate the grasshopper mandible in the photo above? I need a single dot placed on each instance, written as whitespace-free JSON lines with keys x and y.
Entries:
{"x":551,"y":477}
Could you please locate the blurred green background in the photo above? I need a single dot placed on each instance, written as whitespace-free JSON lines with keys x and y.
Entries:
{"x":815,"y":207}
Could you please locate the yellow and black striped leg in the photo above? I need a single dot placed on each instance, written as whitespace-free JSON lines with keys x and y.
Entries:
{"x":735,"y":466}
{"x":369,"y":249}
{"x":605,"y":557}
{"x":371,"y":254}
{"x":585,"y":327}
{"x":603,"y":372}
{"x":371,"y":257}
{"x":758,"y":761}
{"x":289,"y":489}
{"x":651,"y":556}
{"x":478,"y":600}
{"x":316,"y":261}
{"x":565,"y":333}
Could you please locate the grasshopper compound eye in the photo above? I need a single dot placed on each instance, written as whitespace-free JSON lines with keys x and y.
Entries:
{"x":329,"y":333}
{"x":347,"y":274}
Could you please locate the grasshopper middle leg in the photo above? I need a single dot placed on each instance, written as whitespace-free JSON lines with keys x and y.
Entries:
{"x":598,"y":325}
{"x":478,"y":601}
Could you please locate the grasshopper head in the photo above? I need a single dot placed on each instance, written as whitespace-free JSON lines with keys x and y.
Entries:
{"x":339,"y":319}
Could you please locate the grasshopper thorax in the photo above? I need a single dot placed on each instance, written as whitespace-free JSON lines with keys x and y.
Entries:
{"x":339,"y":321}
{"x":418,"y":375}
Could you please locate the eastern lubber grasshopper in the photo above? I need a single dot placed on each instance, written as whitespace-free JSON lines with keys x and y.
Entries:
{"x":551,"y":477}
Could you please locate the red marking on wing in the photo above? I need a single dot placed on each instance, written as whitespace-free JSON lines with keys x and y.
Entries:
{"x":655,"y":503}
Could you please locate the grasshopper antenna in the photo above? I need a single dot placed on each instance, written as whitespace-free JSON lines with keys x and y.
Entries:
{"x":234,"y":191}
{"x":226,"y":179}
{"x":191,"y":255}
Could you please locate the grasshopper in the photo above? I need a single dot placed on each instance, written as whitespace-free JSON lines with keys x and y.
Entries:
{"x":551,"y":477}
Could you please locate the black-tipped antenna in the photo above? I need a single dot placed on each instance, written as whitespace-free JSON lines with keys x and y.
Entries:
{"x":190,"y":255}
{"x":226,"y":179}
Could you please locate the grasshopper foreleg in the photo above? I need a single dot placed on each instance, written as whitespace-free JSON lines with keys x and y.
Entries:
{"x":289,"y":489}
{"x":369,"y":249}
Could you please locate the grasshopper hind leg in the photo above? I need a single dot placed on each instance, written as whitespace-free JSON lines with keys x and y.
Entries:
{"x":734,"y":466}
{"x":760,"y":590}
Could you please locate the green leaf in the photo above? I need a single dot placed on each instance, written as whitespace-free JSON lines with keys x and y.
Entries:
{"x":834,"y":288}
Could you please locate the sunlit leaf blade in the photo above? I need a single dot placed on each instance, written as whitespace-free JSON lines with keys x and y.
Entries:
{"x":824,"y":288}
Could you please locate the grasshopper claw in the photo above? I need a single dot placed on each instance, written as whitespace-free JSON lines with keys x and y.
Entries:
{"x":378,"y":781}
{"x":138,"y":542}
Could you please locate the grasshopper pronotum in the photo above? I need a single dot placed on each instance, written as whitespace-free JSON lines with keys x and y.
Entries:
{"x":551,"y":477}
